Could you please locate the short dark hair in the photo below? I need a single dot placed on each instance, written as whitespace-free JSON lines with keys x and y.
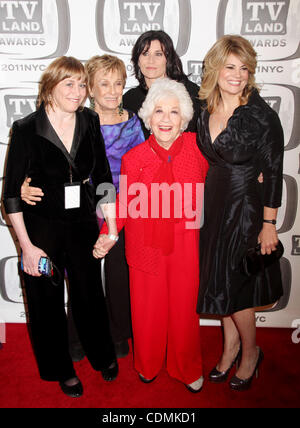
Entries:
{"x":174,"y":65}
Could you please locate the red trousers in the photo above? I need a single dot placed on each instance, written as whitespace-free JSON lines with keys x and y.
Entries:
{"x":164,"y":318}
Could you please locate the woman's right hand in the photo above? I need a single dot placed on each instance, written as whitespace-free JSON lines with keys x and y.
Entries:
{"x":31,"y":258}
{"x":29,"y":194}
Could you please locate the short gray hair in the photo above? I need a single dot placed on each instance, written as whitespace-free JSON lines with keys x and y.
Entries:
{"x":165,"y":88}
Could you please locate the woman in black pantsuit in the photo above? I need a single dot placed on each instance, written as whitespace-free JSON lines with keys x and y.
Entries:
{"x":60,"y":147}
{"x":240,"y":136}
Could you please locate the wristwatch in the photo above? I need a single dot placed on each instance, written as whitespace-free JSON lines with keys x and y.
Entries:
{"x":113,"y":237}
{"x":269,"y":221}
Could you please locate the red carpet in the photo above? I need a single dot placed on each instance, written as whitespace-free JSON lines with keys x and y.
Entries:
{"x":277,"y":386}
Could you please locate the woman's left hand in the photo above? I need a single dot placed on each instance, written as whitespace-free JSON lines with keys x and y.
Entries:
{"x":268,"y":238}
{"x":103,"y":246}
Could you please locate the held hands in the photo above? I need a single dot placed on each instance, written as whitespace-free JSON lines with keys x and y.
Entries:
{"x":268,"y":238}
{"x":103,"y":246}
{"x":31,"y":257}
{"x":29,"y":194}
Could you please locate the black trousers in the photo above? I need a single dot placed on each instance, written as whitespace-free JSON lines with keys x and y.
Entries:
{"x":117,"y":296}
{"x":117,"y":291}
{"x":69,"y":245}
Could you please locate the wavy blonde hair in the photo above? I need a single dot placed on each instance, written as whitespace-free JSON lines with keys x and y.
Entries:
{"x":216,"y":58}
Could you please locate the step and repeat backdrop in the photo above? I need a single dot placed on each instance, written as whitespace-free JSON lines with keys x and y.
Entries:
{"x":34,"y":32}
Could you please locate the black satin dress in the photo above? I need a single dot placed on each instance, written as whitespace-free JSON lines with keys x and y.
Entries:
{"x":233,"y":207}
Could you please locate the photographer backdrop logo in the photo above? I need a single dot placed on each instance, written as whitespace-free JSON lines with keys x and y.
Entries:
{"x":195,"y":71}
{"x":34,"y":28}
{"x":18,"y":106}
{"x":285,"y":100}
{"x":131,"y":18}
{"x":271,"y":26}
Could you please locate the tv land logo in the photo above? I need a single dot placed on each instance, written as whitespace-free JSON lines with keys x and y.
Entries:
{"x":21,"y":17}
{"x":18,"y":106}
{"x":274,"y":103}
{"x":131,"y":18}
{"x":195,"y":71}
{"x":285,"y":100}
{"x":138,"y":17}
{"x":34,"y":29}
{"x":271,"y":26}
{"x":264,"y":17}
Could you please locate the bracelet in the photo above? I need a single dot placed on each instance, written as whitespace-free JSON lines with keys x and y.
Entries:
{"x":113,"y":237}
{"x":269,"y":221}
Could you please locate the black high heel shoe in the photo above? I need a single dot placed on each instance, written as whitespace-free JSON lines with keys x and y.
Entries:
{"x":238,"y":384}
{"x":218,"y":377}
{"x":111,"y":372}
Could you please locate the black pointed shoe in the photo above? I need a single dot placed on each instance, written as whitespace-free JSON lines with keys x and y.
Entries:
{"x":216,"y":376}
{"x":73,"y":391}
{"x":238,"y":384}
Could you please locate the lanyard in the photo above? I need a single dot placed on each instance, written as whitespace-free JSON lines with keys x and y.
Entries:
{"x":71,"y":173}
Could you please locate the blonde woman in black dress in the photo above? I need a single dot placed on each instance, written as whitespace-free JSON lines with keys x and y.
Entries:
{"x":240,"y":136}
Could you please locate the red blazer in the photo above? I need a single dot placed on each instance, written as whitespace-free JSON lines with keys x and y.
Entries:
{"x":139,"y":165}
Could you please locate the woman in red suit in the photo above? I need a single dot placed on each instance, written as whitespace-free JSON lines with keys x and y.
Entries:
{"x":158,"y":206}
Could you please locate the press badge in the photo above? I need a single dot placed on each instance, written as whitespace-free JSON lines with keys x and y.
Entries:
{"x":72,"y":195}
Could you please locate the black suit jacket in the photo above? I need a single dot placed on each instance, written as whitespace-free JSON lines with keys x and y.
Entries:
{"x":37,"y":152}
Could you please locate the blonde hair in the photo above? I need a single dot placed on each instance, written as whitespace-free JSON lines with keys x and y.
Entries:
{"x":163,"y":88}
{"x":106,"y":63}
{"x":60,"y":69}
{"x":216,"y":58}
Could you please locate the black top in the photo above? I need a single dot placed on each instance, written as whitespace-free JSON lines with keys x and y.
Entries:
{"x":134,"y":98}
{"x":37,"y":152}
{"x":234,"y":201}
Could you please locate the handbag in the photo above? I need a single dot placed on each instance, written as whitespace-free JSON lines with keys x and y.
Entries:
{"x":254,"y":262}
{"x":47,"y":268}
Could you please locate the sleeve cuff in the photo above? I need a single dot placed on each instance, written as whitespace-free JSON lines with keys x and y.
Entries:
{"x":13,"y":205}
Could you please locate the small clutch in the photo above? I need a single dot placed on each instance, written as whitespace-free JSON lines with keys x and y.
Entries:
{"x":47,"y":268}
{"x":254,"y":262}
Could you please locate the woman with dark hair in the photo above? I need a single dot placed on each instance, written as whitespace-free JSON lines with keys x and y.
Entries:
{"x":153,"y":57}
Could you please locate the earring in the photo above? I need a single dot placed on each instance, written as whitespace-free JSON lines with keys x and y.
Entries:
{"x":121,"y":110}
{"x":92,"y":103}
